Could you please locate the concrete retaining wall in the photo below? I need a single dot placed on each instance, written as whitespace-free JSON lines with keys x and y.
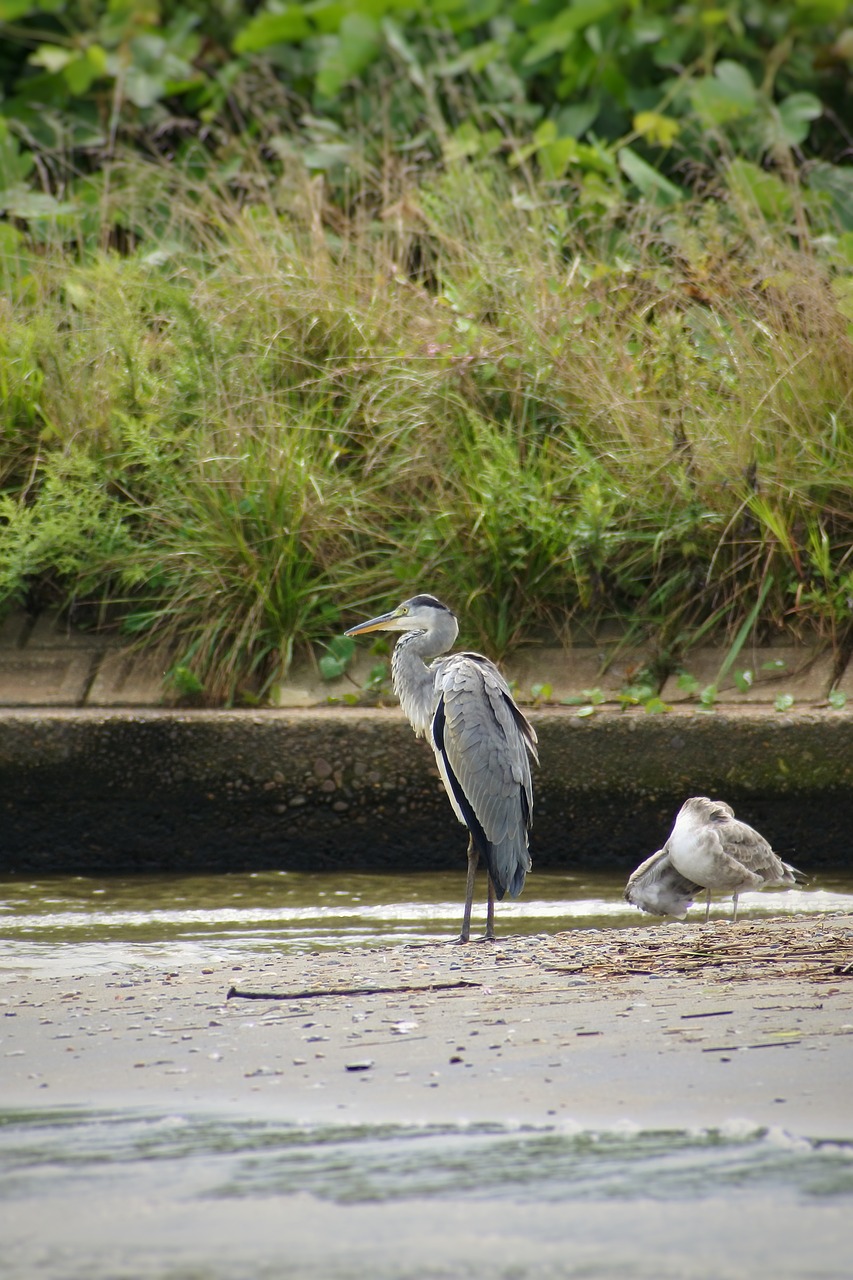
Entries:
{"x":97,"y":775}
{"x":163,"y":790}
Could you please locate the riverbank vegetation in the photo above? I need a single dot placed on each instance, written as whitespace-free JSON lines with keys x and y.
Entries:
{"x":553,"y":320}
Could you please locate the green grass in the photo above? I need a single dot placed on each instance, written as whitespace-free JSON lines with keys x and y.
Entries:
{"x":264,"y":417}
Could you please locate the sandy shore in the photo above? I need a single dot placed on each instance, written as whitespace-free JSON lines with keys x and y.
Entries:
{"x":668,"y":1025}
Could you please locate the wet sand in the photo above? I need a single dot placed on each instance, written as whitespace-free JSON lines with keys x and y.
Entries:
{"x":667,"y":1025}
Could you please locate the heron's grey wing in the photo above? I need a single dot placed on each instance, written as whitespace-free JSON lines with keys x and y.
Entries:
{"x":656,"y":887}
{"x":483,"y":745}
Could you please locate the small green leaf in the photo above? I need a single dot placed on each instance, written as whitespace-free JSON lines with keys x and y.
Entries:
{"x":555,"y":157}
{"x":743,"y":680}
{"x":573,"y":121}
{"x":726,"y":96}
{"x":735,"y":79}
{"x":52,"y":57}
{"x":82,"y":72}
{"x":21,"y":202}
{"x":708,"y":696}
{"x":754,"y":185}
{"x":651,"y":184}
{"x":585,"y":711}
{"x":377,"y":675}
{"x":783,"y":702}
{"x":556,"y":35}
{"x":11,"y":10}
{"x":185,"y":681}
{"x":796,"y":113}
{"x":837,"y":699}
{"x":347,"y":54}
{"x":336,"y":659}
{"x":267,"y":29}
{"x":15,"y":165}
{"x":142,"y":87}
{"x":634,"y":695}
{"x":658,"y":128}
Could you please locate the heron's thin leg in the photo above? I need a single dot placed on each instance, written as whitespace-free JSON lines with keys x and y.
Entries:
{"x":473,"y":859}
{"x":707,"y":905}
{"x":734,"y":913}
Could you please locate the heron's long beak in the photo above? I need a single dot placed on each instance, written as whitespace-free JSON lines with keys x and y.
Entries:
{"x":385,"y":622}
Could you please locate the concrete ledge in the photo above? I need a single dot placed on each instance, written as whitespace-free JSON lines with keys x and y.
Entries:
{"x":126,"y":678}
{"x":108,"y":791}
{"x":573,"y":674}
{"x":759,"y":675}
{"x":44,"y":678}
{"x":43,"y":662}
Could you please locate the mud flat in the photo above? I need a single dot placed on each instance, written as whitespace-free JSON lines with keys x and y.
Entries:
{"x":658,"y":1026}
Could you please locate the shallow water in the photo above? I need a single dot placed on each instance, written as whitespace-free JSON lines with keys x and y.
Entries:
{"x":105,"y":1195}
{"x":94,"y":923}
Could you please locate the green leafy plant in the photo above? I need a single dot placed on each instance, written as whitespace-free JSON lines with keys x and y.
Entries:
{"x":594,"y":697}
{"x":640,"y":694}
{"x":339,"y":654}
{"x":541,"y":692}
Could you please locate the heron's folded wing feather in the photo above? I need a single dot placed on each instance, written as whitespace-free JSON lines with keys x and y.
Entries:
{"x":488,"y":752}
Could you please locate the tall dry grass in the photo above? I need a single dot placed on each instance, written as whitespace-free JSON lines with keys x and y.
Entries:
{"x":264,"y":412}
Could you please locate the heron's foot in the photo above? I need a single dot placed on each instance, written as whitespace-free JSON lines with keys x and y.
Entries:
{"x":462,"y":940}
{"x":487,"y":937}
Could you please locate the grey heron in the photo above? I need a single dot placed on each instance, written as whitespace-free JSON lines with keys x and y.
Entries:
{"x":483,"y":743}
{"x":711,"y":849}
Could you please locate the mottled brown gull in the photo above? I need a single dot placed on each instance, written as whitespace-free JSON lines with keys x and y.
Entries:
{"x":708,"y":849}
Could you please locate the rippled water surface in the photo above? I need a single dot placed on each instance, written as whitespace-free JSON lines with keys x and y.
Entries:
{"x":146,"y":919}
{"x":201,"y":1195}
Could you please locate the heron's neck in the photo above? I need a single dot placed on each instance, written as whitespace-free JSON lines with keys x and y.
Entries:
{"x":414,"y":682}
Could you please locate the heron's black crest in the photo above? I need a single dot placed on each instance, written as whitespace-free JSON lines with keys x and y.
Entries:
{"x":429,"y":602}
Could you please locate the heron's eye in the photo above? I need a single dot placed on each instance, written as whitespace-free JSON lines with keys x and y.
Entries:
{"x":402,"y":610}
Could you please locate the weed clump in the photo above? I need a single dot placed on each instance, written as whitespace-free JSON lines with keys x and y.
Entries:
{"x":267,"y":410}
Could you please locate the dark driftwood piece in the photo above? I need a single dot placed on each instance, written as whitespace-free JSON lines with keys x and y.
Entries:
{"x":234,"y":994}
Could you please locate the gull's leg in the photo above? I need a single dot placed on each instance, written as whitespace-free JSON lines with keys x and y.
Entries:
{"x":473,"y":858}
{"x":707,"y":905}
